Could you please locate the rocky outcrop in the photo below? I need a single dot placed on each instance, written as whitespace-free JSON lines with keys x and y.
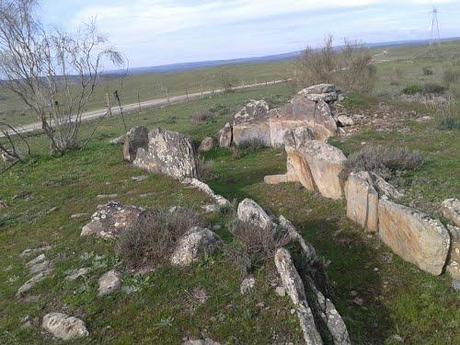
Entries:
{"x":414,"y":236}
{"x":168,"y":153}
{"x":193,"y":245}
{"x":251,"y":124}
{"x":109,"y":282}
{"x":362,"y":200}
{"x":317,"y":166}
{"x":206,"y":145}
{"x":135,"y":138}
{"x":64,"y":327}
{"x":225,"y":136}
{"x":110,"y":220}
{"x":450,"y":209}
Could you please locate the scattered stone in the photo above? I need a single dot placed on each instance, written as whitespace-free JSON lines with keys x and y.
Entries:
{"x":211,"y":208}
{"x":77,"y":273}
{"x":205,"y":341}
{"x":28,"y":285}
{"x":168,"y":153}
{"x":225,"y":136}
{"x":249,"y":211}
{"x":193,"y":245}
{"x":456,"y":285}
{"x":110,"y":220}
{"x":109,"y":283}
{"x":40,"y":267}
{"x":345,"y":121}
{"x":220,"y":200}
{"x":384,"y":188}
{"x":414,"y":236}
{"x":424,"y":119}
{"x":31,"y":251}
{"x":139,"y":178}
{"x":107,"y":196}
{"x":37,"y":260}
{"x":64,"y":327}
{"x":280,"y":291}
{"x":136,"y":138}
{"x":247,"y":285}
{"x":358,"y":301}
{"x":78,"y":215}
{"x":200,"y":295}
{"x":450,"y":209}
{"x":206,"y":145}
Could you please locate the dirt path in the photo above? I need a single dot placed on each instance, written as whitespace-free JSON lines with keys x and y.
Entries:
{"x":153,"y":103}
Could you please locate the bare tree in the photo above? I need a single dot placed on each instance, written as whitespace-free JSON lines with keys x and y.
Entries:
{"x":54,"y":73}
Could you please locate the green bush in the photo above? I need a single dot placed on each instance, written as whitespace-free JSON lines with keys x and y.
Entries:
{"x":412,"y":89}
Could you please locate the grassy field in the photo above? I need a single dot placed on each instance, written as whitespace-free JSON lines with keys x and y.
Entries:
{"x":398,"y":299}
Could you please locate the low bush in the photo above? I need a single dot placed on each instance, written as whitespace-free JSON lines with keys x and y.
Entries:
{"x":253,"y":245}
{"x":447,"y":115}
{"x":427,"y":71}
{"x":385,"y":161}
{"x":153,"y":237}
{"x":201,"y":117}
{"x":451,"y":76}
{"x":433,"y":88}
{"x":205,"y":169}
{"x":412,"y":89}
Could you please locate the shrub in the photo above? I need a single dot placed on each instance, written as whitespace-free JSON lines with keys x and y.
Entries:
{"x":201,"y":117}
{"x":447,"y":115}
{"x":412,"y":89}
{"x":433,"y":88}
{"x":205,"y":169}
{"x":427,"y":71}
{"x":451,"y":76}
{"x":382,"y":160}
{"x":152,"y":238}
{"x":253,"y":245}
{"x":349,"y":66}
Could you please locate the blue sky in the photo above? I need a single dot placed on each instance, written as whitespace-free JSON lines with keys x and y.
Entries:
{"x":156,"y":32}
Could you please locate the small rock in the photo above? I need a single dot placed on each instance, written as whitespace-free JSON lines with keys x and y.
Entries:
{"x":2,"y":204}
{"x":280,"y":291}
{"x":30,"y":251}
{"x":206,"y":145}
{"x":40,"y":267}
{"x":139,"y":178}
{"x":260,"y":305}
{"x":78,"y":215}
{"x":398,"y":338}
{"x":28,"y":285}
{"x":247,"y":285}
{"x":358,"y":301}
{"x":109,"y":283}
{"x":353,"y":293}
{"x":344,"y":121}
{"x":211,"y":208}
{"x":37,"y":260}
{"x":205,"y":341}
{"x":75,"y":274}
{"x":200,"y":295}
{"x":64,"y":327}
{"x":107,"y":196}
{"x":424,"y":119}
{"x":456,"y":285}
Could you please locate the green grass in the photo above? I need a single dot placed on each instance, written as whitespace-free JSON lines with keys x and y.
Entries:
{"x":398,"y":298}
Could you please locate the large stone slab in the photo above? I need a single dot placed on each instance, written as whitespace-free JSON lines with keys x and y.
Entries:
{"x":169,"y":153}
{"x":362,"y":200}
{"x":414,"y":236}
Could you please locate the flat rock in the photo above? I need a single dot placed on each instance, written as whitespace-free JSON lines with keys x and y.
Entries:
{"x":450,"y":209}
{"x":64,"y":327}
{"x":193,"y":245}
{"x":110,"y":220}
{"x":109,"y":282}
{"x":414,"y":236}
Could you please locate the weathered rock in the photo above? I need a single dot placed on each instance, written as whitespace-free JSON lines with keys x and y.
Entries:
{"x":206,"y":145}
{"x":247,"y":285}
{"x":225,"y":136}
{"x":251,"y":124}
{"x":414,"y":236}
{"x":384,"y":188}
{"x":76,"y":274}
{"x":140,"y":178}
{"x":362,"y":200}
{"x":193,"y":245}
{"x":64,"y":327}
{"x":28,"y":285}
{"x":220,"y":200}
{"x":39,"y":259}
{"x":79,"y":215}
{"x":110,"y":220}
{"x":450,"y":209}
{"x":250,"y":212}
{"x":31,"y":251}
{"x":321,"y":92}
{"x":136,"y":138}
{"x":453,"y":266}
{"x":345,"y":121}
{"x":206,"y":341}
{"x":168,"y":153}
{"x":295,"y":289}
{"x":109,"y":283}
{"x":254,"y":110}
{"x":317,"y":166}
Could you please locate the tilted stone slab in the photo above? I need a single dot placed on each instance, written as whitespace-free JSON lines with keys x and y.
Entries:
{"x":414,"y":236}
{"x":362,"y":200}
{"x":169,"y":153}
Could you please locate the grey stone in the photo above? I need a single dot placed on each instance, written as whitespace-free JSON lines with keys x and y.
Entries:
{"x":345,"y":121}
{"x":250,"y":212}
{"x":136,"y":138}
{"x":77,"y":273}
{"x":206,"y":145}
{"x":109,"y":282}
{"x":28,"y":285}
{"x":247,"y":285}
{"x":450,"y":209}
{"x":139,"y":178}
{"x":64,"y":327}
{"x":225,"y":136}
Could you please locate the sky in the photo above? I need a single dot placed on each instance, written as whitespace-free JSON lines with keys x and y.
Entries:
{"x":158,"y":32}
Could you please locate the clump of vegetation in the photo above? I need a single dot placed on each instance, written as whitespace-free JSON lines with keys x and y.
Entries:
{"x":412,"y":89}
{"x":427,"y":71}
{"x":201,"y":117}
{"x":252,"y":145}
{"x":205,"y":169}
{"x":350,"y":67}
{"x":356,"y":100}
{"x":451,"y":76}
{"x":396,"y":76}
{"x":153,"y":237}
{"x":253,"y":245}
{"x":385,"y":161}
{"x":433,"y":88}
{"x":446,"y":114}
{"x":220,"y":109}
